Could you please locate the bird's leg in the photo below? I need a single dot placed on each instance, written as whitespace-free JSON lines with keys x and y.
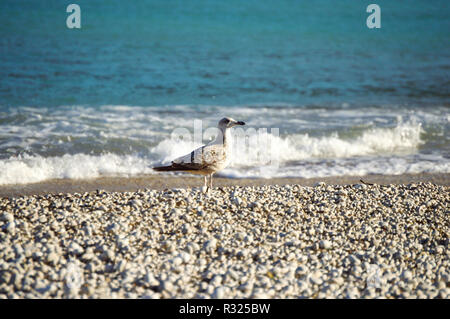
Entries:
{"x":205,"y":187}
{"x":210,"y":181}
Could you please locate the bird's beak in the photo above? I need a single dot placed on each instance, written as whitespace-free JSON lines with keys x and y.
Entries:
{"x":240,"y":123}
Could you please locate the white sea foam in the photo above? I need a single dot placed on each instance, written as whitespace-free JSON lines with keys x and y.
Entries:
{"x":378,"y":143}
{"x":259,"y":155}
{"x":260,"y":149}
{"x":373,"y":151}
{"x":32,"y":169}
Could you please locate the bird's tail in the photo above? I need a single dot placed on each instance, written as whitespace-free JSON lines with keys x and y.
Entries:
{"x":164,"y":168}
{"x":167,"y":168}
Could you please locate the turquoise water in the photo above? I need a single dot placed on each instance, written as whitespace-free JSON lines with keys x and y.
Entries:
{"x":213,"y":52}
{"x":311,"y":68}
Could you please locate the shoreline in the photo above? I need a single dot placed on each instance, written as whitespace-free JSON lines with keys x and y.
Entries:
{"x":163,"y":181}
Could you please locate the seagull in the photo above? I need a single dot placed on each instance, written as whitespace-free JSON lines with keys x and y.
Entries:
{"x":208,"y":159}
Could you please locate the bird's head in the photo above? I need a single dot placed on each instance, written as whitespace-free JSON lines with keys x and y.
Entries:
{"x":228,"y":122}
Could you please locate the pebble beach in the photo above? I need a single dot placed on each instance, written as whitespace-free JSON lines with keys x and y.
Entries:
{"x":272,"y":241}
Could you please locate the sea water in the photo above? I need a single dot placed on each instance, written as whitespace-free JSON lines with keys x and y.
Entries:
{"x":104,"y":100}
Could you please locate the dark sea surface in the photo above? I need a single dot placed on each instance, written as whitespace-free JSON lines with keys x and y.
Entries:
{"x":106,"y":98}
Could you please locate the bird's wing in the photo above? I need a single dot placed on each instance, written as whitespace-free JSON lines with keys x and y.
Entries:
{"x":201,"y":157}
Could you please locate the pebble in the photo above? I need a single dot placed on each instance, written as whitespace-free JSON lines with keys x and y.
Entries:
{"x":210,"y":246}
{"x":325,"y":244}
{"x":75,"y":249}
{"x":7,"y":217}
{"x":219,"y":293}
{"x":166,"y":285}
{"x":407,"y":275}
{"x":316,"y":278}
{"x":11,"y":228}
